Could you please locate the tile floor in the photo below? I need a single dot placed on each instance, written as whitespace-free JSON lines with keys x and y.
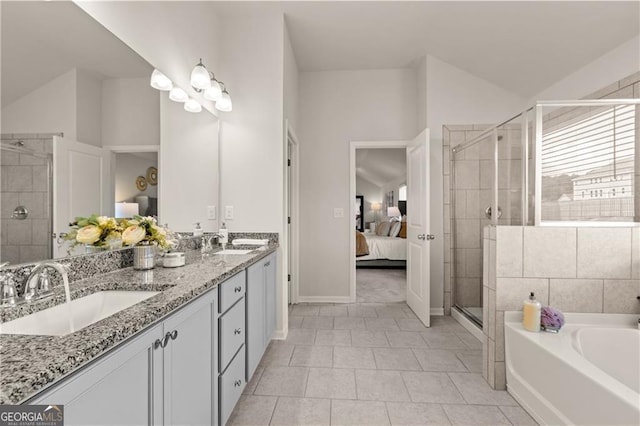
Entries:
{"x":373,"y":364}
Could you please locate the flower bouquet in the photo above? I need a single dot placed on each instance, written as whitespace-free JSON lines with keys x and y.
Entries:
{"x":97,"y":232}
{"x":142,"y":230}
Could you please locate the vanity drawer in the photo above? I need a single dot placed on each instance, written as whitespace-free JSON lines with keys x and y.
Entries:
{"x":231,"y":386}
{"x":232,"y":333}
{"x":231,"y":290}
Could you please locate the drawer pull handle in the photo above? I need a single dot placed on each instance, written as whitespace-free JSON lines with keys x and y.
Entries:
{"x":174,"y":334}
{"x":237,"y":331}
{"x":162,"y":343}
{"x":238,"y":289}
{"x":237,"y":383}
{"x":267,"y":264}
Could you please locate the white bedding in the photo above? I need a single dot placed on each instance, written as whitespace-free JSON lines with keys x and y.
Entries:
{"x":392,"y":248}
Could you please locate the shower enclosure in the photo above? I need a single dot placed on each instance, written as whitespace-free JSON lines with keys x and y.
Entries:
{"x":555,"y":163}
{"x":26,"y":197}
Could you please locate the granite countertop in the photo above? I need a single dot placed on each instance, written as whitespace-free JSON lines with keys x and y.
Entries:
{"x":29,"y":364}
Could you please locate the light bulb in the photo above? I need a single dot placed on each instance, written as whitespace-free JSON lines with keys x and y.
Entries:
{"x":192,"y":105}
{"x":224,"y":103}
{"x":200,"y":79}
{"x":160,"y":81}
{"x":214,"y":92}
{"x":178,"y":95}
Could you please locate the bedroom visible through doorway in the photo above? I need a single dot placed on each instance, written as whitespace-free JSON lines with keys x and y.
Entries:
{"x":380,"y":217}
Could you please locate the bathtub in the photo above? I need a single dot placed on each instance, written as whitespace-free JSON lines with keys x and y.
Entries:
{"x":587,"y":374}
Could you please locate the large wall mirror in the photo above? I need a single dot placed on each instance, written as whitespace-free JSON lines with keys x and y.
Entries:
{"x":82,"y":130}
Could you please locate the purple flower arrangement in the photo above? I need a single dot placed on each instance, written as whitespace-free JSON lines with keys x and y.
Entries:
{"x":551,"y":319}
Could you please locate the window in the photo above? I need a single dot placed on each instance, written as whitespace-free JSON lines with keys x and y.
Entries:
{"x":590,"y":141}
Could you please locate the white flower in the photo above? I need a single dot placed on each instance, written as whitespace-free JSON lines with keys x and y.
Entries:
{"x":89,"y":234}
{"x":133,"y":235}
{"x":159,"y":230}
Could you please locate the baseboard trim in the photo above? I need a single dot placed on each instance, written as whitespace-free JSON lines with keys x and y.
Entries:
{"x":324,"y":299}
{"x":280,"y":335}
{"x":439,"y":312}
{"x":470,"y":326}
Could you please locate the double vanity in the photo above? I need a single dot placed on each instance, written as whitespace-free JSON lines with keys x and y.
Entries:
{"x":180,"y":353}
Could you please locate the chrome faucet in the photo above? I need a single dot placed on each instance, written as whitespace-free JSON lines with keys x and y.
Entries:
{"x":8,"y":293}
{"x":38,"y":284}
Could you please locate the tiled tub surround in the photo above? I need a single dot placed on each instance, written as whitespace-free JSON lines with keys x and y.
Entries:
{"x":28,"y":364}
{"x":574,"y":269}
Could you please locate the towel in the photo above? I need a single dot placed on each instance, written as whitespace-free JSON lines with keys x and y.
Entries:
{"x":249,"y":242}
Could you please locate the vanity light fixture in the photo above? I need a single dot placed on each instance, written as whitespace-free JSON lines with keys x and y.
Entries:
{"x":192,"y":105}
{"x":178,"y":95}
{"x":224,"y":103}
{"x":200,"y":79}
{"x":214,"y":92}
{"x":160,"y":81}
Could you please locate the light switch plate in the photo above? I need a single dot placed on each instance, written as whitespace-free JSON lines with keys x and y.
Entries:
{"x":211,"y":212}
{"x":338,"y":212}
{"x":228,"y":212}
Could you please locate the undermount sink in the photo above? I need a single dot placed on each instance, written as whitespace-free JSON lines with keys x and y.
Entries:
{"x":79,"y":313}
{"x":233,"y":252}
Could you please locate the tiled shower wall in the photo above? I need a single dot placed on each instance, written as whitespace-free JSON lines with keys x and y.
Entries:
{"x":25,"y":181}
{"x":574,"y":269}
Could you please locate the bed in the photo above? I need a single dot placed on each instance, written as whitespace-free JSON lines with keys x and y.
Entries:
{"x":384,"y":247}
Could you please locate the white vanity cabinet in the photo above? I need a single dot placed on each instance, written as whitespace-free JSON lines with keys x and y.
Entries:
{"x":166,"y":375}
{"x":261,"y":310}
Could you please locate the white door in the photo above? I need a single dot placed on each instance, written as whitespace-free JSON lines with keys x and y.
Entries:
{"x":81,"y":185}
{"x":418,"y":237}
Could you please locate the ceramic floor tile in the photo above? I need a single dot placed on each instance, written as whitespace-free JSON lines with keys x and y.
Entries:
{"x":475,"y":390}
{"x":331,"y":383}
{"x":380,"y":385}
{"x":432,"y":387}
{"x":369,"y":338}
{"x":442,"y":340}
{"x":317,"y":322}
{"x":391,"y":311}
{"x":381,"y":324}
{"x":369,"y":413}
{"x":439,"y":360}
{"x":251,"y":386}
{"x":283,"y":381}
{"x":305,"y":310}
{"x":471,"y":359}
{"x":406,"y":324}
{"x":333,"y":311}
{"x":277,"y":355}
{"x":517,"y":416}
{"x":475,"y":415}
{"x":406,"y":339}
{"x":353,"y":357}
{"x":301,"y":336}
{"x":312,"y":356}
{"x":357,"y":310}
{"x":470,"y":340}
{"x":295,"y":322}
{"x":333,"y":338}
{"x":414,"y":414}
{"x":301,"y":411}
{"x":348,"y":323}
{"x":396,"y":359}
{"x":253,"y":410}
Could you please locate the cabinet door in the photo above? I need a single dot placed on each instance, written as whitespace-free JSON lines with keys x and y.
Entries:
{"x":188,"y":367}
{"x":271,"y":297}
{"x":118,"y":389}
{"x":256,"y":326}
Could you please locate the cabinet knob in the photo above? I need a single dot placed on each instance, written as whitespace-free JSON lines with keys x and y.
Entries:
{"x":237,"y":383}
{"x":237,"y":331}
{"x":238,"y":289}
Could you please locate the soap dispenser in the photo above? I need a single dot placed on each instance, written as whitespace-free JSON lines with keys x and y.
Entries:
{"x":531,"y":311}
{"x":197,"y":231}
{"x":223,"y":234}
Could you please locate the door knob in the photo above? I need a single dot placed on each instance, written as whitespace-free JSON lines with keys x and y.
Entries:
{"x":421,"y":236}
{"x":431,"y":237}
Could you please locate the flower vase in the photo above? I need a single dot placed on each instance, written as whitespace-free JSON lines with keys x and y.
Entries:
{"x":144,"y":257}
{"x":90,"y":249}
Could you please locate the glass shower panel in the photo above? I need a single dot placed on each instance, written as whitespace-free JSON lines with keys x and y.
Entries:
{"x":510,"y":178}
{"x":470,"y":197}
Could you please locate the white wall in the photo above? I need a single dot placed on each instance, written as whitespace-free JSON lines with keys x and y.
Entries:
{"x":50,"y":108}
{"x":251,"y":138}
{"x":372,"y":193}
{"x":337,"y":107}
{"x":187,"y":179}
{"x":89,"y":108}
{"x":421,"y":79}
{"x":613,"y":66}
{"x":455,"y":97}
{"x":291,"y":82}
{"x":128,"y":168}
{"x":130,"y":112}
